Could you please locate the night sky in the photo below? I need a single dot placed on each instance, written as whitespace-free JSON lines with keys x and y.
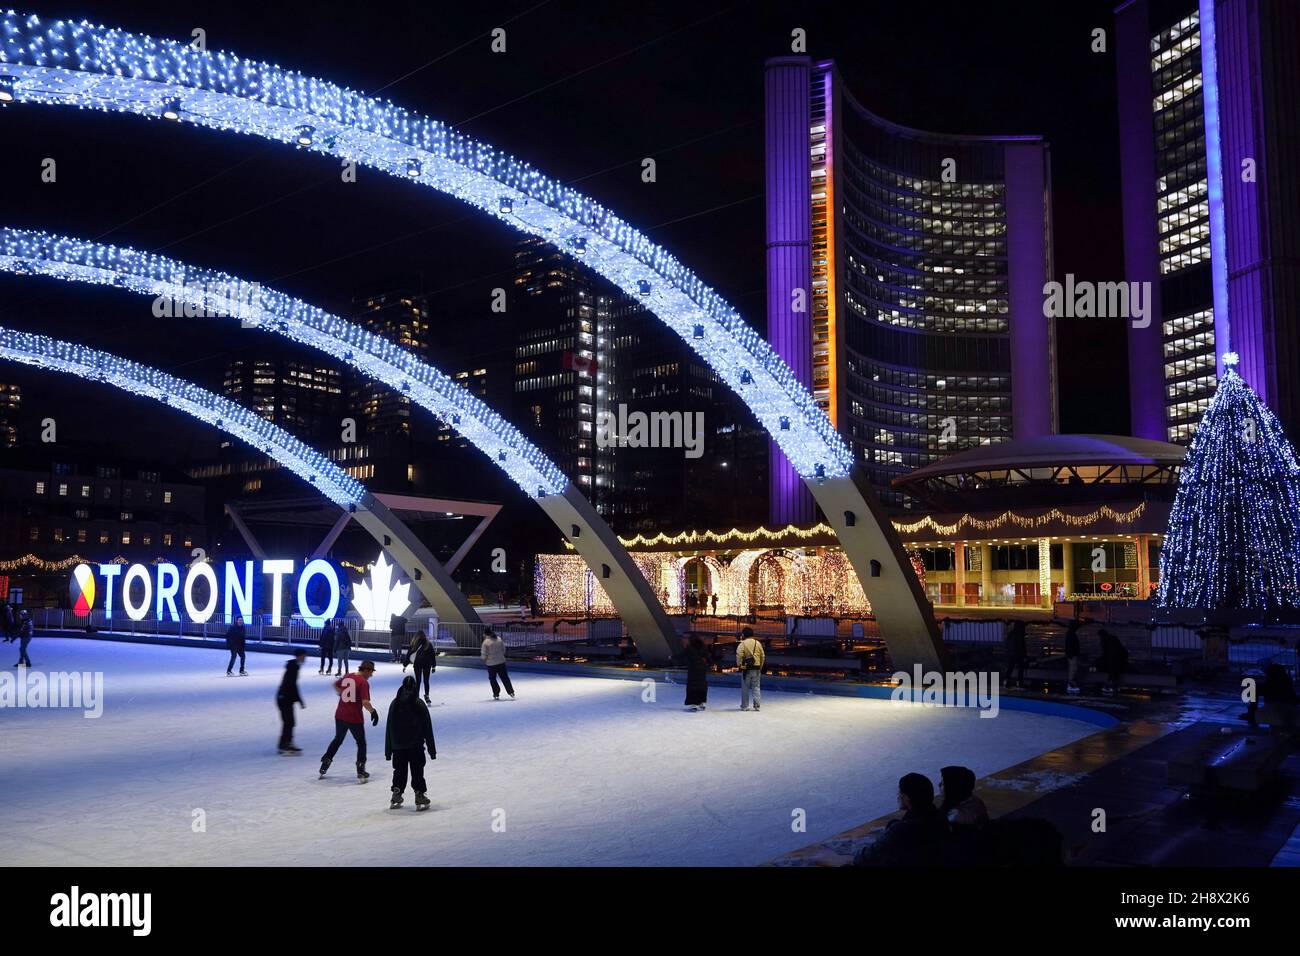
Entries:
{"x":584,"y":91}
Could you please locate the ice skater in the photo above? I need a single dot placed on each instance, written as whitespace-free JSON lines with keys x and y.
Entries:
{"x":286,"y":697}
{"x":354,"y":697}
{"x":424,"y":656}
{"x":407,"y":734}
{"x":326,"y":647}
{"x":697,"y":673}
{"x":24,"y":638}
{"x":493,"y":653}
{"x":750,"y":658}
{"x":235,"y":641}
{"x":342,"y":644}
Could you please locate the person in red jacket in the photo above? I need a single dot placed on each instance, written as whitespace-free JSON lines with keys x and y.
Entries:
{"x":354,"y":697}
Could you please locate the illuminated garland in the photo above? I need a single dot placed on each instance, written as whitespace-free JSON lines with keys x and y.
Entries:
{"x":1022,"y":521}
{"x":235,"y":420}
{"x":40,"y":564}
{"x":823,"y":530}
{"x":81,"y":64}
{"x":1234,"y":530}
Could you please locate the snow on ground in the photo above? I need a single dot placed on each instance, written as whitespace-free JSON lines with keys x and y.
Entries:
{"x":581,"y":769}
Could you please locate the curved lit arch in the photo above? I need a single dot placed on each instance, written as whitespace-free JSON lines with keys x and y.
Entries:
{"x":189,"y":289}
{"x":63,"y":62}
{"x":239,"y":422}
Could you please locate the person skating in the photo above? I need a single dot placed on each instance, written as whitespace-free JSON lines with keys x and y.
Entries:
{"x":354,"y":697}
{"x":697,"y":673}
{"x":407,"y":734}
{"x":285,"y":698}
{"x":750,"y":658}
{"x":326,"y":648}
{"x":493,"y":653}
{"x":342,"y":644}
{"x":24,"y":638}
{"x":235,"y":641}
{"x":1017,"y":653}
{"x":424,"y":657}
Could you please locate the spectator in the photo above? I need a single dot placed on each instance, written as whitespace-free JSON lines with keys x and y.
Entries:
{"x":235,"y":641}
{"x":714,"y":598}
{"x":493,"y":653}
{"x":958,"y":803}
{"x":1113,"y":661}
{"x":697,"y":673}
{"x":1279,"y":698}
{"x":1072,"y":657}
{"x":1016,"y":653}
{"x":750,"y":658}
{"x":918,"y":838}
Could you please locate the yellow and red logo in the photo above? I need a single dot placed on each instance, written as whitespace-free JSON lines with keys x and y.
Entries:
{"x":82,"y":590}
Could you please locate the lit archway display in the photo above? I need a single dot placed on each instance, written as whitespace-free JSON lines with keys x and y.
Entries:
{"x":239,"y":422}
{"x":71,"y":63}
{"x":186,"y":289}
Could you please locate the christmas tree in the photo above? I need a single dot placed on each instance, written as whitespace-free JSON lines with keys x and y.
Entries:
{"x":1234,"y":529}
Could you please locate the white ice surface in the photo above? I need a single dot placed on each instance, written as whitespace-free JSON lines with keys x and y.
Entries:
{"x":585,"y":772}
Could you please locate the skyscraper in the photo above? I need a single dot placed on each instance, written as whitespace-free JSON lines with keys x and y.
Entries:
{"x":905,"y":274}
{"x":1209,"y":107}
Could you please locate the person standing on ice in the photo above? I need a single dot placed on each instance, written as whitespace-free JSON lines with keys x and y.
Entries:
{"x":396,"y":636}
{"x":286,"y":697}
{"x":750,"y":658}
{"x":697,"y":673}
{"x":24,"y":638}
{"x":407,"y":734}
{"x":326,"y":647}
{"x":424,"y":656}
{"x":342,"y":644}
{"x":235,"y":641}
{"x":354,"y":697}
{"x":493,"y":653}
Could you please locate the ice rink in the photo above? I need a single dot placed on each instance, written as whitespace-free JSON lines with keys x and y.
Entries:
{"x":577,"y":771}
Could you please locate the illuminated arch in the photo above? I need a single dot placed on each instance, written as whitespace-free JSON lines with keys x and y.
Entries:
{"x":180,"y":287}
{"x":237,"y":421}
{"x":81,"y":64}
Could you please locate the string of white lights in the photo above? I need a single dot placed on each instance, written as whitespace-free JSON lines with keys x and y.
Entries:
{"x":188,"y":291}
{"x":56,"y":355}
{"x":80,"y":64}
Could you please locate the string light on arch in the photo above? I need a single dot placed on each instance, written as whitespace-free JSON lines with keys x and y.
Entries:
{"x":80,"y":64}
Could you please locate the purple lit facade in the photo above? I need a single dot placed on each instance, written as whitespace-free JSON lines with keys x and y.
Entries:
{"x":1248,"y":300}
{"x":922,"y":331}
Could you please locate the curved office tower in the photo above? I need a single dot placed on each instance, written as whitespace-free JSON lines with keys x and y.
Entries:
{"x":919,"y":261}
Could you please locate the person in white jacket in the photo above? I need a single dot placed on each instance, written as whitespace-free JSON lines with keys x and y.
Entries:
{"x":750,"y":659}
{"x":493,"y":653}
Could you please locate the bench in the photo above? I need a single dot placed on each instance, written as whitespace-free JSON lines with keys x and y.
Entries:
{"x":799,"y":662}
{"x":603,"y":651}
{"x":1242,"y":763}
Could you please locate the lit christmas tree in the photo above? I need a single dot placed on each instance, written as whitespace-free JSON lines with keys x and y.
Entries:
{"x":1234,"y":531}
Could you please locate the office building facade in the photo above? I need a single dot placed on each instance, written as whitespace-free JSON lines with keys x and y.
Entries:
{"x":905,"y":275}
